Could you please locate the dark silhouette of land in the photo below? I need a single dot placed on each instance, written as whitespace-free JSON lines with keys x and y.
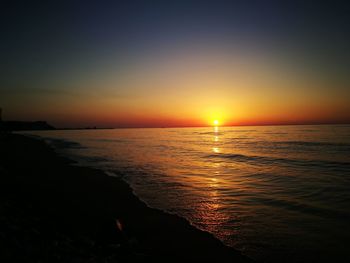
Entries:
{"x":25,"y":125}
{"x":53,"y":211}
{"x":8,"y":126}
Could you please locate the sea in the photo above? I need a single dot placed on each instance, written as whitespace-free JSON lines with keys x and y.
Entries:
{"x":276,"y":193}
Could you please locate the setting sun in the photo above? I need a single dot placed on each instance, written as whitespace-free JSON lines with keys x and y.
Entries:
{"x":216,"y":122}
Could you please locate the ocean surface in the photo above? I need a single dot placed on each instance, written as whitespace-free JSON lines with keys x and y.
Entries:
{"x":274,"y":192}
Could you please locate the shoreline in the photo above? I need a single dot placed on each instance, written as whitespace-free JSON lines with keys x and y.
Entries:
{"x":54,"y":211}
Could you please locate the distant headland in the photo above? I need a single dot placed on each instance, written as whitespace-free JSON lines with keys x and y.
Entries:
{"x":25,"y":125}
{"x":12,"y":125}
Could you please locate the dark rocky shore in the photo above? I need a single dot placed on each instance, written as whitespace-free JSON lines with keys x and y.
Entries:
{"x":53,"y":211}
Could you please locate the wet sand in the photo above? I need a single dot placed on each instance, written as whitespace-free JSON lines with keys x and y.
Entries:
{"x":54,"y":211}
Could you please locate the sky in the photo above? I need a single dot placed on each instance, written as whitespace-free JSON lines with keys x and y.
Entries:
{"x":175,"y":63}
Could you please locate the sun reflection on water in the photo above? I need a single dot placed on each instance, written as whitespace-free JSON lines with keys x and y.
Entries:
{"x":212,"y":212}
{"x":216,"y":149}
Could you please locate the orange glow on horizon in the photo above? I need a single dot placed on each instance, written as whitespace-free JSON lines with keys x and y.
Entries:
{"x":208,"y":87}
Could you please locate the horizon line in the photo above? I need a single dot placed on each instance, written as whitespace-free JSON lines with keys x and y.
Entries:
{"x":203,"y":126}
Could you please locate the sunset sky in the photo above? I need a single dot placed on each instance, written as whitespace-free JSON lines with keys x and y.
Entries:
{"x":175,"y":63}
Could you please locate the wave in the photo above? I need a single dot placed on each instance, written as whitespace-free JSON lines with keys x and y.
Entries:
{"x":209,"y":133}
{"x":220,"y":132}
{"x":268,"y":160}
{"x":63,"y":144}
{"x":110,"y":140}
{"x":295,"y":205}
{"x":307,"y":143}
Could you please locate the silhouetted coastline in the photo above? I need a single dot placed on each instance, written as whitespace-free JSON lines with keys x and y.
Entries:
{"x":25,"y":125}
{"x":39,"y":125}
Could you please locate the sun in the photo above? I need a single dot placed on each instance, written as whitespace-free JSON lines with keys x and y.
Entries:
{"x":216,"y":123}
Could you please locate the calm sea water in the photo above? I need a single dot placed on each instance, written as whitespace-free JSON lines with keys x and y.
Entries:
{"x":275,"y":193}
